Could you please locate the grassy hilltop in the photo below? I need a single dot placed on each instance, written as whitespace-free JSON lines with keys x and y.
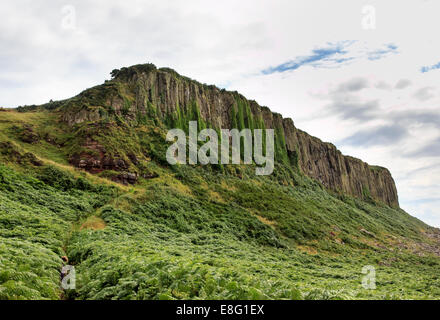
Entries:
{"x":188,"y":232}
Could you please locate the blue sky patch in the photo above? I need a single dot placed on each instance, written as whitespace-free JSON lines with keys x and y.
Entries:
{"x":314,"y":59}
{"x":381,"y":53}
{"x":429,"y":68}
{"x":334,"y":55}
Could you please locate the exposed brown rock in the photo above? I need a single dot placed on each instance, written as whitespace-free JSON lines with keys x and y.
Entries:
{"x":95,"y":159}
{"x":125,"y":178}
{"x":150,"y":175}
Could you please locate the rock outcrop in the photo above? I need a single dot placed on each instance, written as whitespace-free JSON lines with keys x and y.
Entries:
{"x":167,"y":92}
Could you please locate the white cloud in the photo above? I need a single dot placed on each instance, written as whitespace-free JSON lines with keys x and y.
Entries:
{"x":402,"y":84}
{"x":424,"y":93}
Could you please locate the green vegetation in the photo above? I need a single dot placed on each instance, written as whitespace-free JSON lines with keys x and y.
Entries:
{"x":36,"y":219}
{"x":188,"y":232}
{"x":180,"y":118}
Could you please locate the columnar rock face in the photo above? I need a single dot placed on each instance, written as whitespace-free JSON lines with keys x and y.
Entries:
{"x":167,"y":91}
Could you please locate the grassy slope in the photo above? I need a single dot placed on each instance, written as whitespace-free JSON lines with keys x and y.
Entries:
{"x":192,"y":232}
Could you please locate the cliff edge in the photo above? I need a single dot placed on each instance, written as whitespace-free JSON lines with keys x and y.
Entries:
{"x":144,"y":91}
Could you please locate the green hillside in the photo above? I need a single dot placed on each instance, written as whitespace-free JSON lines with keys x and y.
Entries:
{"x":188,"y":232}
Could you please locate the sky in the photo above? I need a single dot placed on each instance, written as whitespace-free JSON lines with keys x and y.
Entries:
{"x":363,"y":75}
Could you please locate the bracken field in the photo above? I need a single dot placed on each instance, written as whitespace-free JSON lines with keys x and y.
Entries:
{"x":190,"y":231}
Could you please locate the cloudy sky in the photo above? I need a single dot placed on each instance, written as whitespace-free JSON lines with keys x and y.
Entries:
{"x":363,"y":75}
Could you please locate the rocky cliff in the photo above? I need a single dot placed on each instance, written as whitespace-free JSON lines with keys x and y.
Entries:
{"x":144,"y":91}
